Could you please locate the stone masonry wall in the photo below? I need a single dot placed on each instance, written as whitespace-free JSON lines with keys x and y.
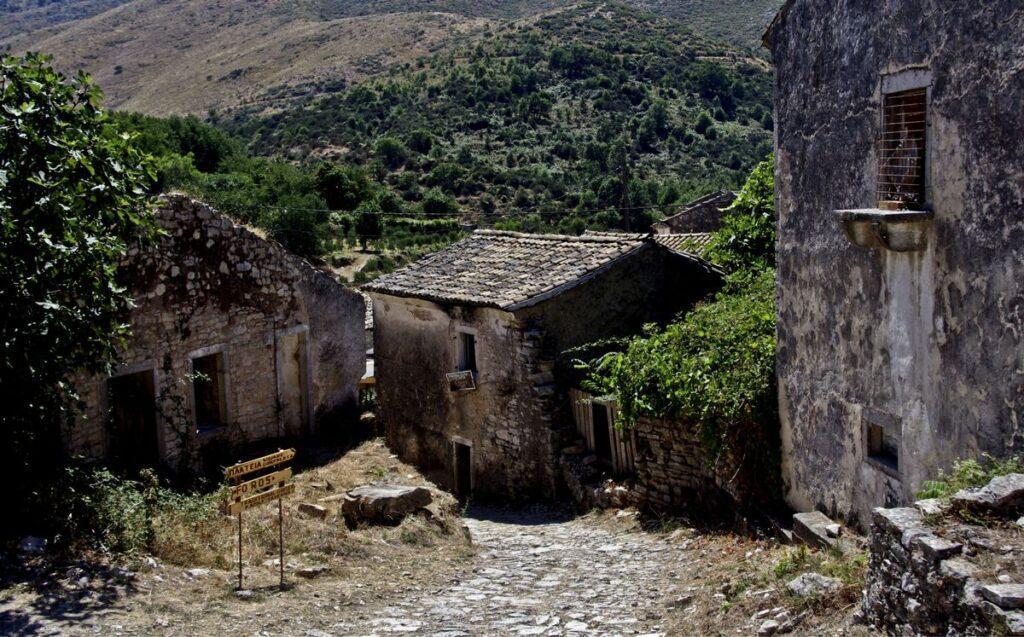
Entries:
{"x":210,"y":284}
{"x":672,"y":469}
{"x":505,"y":419}
{"x":933,"y":573}
{"x":869,"y":336}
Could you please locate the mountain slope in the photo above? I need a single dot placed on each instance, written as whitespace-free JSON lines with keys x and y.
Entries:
{"x":189,"y":56}
{"x":573,"y":116}
{"x":741,"y":22}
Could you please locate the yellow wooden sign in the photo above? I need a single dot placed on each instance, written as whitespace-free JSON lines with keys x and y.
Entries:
{"x":261,"y":498}
{"x":260,"y":483}
{"x":243,"y":468}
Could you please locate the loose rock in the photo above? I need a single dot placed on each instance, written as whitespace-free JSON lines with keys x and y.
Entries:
{"x":813,"y":585}
{"x":313,"y":510}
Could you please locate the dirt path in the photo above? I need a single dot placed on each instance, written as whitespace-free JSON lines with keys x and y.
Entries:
{"x":538,"y":573}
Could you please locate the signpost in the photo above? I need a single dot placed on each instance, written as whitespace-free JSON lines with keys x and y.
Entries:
{"x":260,"y":490}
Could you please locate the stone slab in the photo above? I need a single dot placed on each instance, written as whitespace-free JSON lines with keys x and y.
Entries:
{"x":1008,"y":596}
{"x":812,"y":528}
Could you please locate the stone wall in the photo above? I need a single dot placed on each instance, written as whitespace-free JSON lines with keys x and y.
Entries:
{"x":652,"y":285}
{"x":505,"y":419}
{"x":210,"y":285}
{"x":703,"y":215}
{"x":933,"y":573}
{"x":672,"y":468}
{"x":928,"y":345}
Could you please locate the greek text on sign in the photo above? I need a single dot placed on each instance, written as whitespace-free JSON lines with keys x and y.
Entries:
{"x":256,"y":500}
{"x":242,"y":468}
{"x":260,"y":483}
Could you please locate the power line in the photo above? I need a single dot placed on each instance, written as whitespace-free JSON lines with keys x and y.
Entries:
{"x":413,"y":215}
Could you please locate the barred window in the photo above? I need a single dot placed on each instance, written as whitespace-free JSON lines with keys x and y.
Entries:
{"x":902,"y":145}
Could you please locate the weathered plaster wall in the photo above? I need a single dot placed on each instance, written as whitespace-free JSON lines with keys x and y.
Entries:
{"x":415,"y":346}
{"x":209,"y":283}
{"x":931,"y":341}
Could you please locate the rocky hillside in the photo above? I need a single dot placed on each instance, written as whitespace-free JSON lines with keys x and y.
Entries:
{"x":189,"y":56}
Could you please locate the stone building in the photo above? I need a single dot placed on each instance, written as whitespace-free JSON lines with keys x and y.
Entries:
{"x":900,"y":187}
{"x":466,"y":339}
{"x":234,"y":340}
{"x":701,"y":215}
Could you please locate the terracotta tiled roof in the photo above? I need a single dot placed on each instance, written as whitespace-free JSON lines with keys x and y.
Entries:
{"x":507,"y":270}
{"x":695,"y":243}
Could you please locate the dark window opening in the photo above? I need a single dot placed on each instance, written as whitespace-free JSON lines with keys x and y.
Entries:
{"x":208,"y":391}
{"x":602,"y":432}
{"x":132,"y":418}
{"x":902,"y":148}
{"x":467,"y":352}
{"x":883,"y":446}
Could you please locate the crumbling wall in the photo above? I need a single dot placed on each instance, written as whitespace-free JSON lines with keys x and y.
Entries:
{"x":933,"y":573}
{"x":930,"y":344}
{"x":210,"y":283}
{"x":672,"y":467}
{"x":651,"y":285}
{"x":504,"y":419}
{"x":703,"y":215}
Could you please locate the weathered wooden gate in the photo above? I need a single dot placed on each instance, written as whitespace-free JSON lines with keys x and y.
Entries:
{"x":621,"y":441}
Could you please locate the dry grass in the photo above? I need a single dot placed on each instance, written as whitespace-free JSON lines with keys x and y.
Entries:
{"x":190,"y":56}
{"x":364,"y":566}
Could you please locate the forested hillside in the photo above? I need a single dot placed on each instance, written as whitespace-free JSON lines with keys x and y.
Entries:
{"x":599,"y":116}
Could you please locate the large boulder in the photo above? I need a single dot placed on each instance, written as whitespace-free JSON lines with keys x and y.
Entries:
{"x":383,"y":504}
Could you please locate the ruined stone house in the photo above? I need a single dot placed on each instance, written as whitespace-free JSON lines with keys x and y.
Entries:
{"x":701,"y":215}
{"x":234,"y":340}
{"x":466,"y":338}
{"x":900,"y":187}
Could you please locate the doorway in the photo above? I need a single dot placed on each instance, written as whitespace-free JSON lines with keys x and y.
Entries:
{"x":463,"y":469}
{"x":131,"y":414}
{"x":602,"y":431}
{"x":293,"y":380}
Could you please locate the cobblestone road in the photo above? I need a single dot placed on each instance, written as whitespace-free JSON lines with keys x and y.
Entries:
{"x":541,"y":574}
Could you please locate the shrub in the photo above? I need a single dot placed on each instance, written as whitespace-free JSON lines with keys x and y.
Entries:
{"x":714,"y":369}
{"x":93,"y":507}
{"x":968,"y":474}
{"x":391,"y":151}
{"x":421,"y":141}
{"x":436,"y":202}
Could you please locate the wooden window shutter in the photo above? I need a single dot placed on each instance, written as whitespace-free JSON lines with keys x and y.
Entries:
{"x":902,"y":147}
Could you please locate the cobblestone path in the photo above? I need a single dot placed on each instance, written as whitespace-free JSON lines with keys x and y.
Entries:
{"x":541,"y":574}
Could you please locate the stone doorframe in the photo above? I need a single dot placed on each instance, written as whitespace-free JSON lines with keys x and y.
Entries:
{"x":307,"y":354}
{"x":127,"y":370}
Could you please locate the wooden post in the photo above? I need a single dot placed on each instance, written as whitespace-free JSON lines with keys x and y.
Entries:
{"x":239,"y":550}
{"x":280,"y":537}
